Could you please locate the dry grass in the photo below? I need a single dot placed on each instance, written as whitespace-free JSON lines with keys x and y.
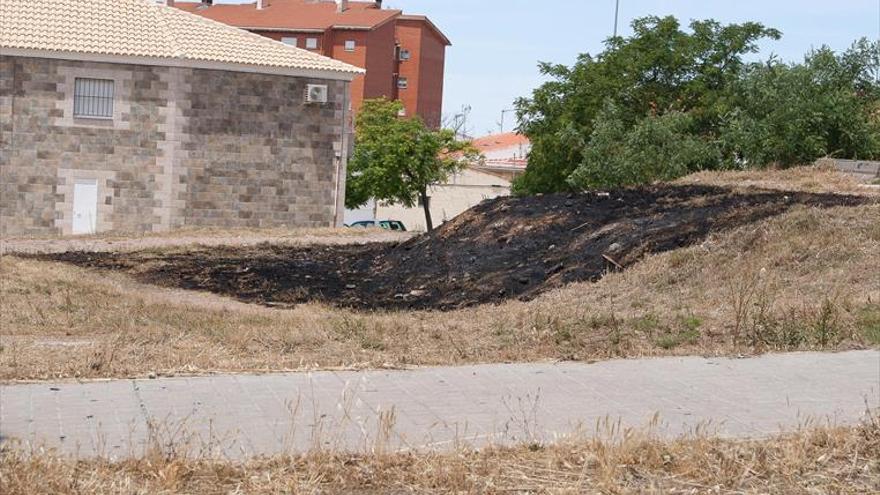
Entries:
{"x":806,"y":280}
{"x":112,"y":241}
{"x":813,"y":460}
{"x":205,"y":232}
{"x":820,"y":178}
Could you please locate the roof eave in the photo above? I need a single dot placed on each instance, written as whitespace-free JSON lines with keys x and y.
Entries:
{"x":283,"y":29}
{"x":329,"y":74}
{"x":430,"y":24}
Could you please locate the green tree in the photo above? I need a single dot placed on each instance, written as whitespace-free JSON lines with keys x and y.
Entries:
{"x":397,"y":159}
{"x":790,"y":114}
{"x":661,"y":68}
{"x":661,"y":147}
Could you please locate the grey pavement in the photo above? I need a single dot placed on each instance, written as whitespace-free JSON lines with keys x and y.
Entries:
{"x":238,"y":416}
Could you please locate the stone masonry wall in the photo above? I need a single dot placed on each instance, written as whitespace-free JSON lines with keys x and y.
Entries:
{"x":185,"y":147}
{"x":256,"y":155}
{"x":6,"y":189}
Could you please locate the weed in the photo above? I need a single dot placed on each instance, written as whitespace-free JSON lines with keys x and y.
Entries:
{"x":648,"y":324}
{"x":825,"y":327}
{"x":690,"y":323}
{"x":613,"y":460}
{"x":682,"y":337}
{"x":869,"y":322}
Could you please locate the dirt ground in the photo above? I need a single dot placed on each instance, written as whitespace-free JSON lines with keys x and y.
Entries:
{"x":206,"y":237}
{"x":510,"y":248}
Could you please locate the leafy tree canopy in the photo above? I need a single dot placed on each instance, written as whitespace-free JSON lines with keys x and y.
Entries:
{"x":793,"y":114}
{"x":667,"y":101}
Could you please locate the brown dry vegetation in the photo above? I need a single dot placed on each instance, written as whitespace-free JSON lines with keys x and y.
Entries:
{"x":814,"y":460}
{"x":115,"y":242}
{"x":807,"y":279}
{"x":821,"y":178}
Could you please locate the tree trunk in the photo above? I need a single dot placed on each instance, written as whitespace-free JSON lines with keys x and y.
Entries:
{"x":427,"y":207}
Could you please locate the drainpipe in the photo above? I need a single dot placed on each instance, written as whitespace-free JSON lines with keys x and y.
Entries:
{"x":342,"y":161}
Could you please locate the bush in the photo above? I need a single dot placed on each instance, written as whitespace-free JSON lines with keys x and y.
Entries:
{"x":657,"y":148}
{"x":794,"y":114}
{"x":667,"y":101}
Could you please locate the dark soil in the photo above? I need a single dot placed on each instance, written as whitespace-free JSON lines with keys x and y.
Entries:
{"x":501,"y":249}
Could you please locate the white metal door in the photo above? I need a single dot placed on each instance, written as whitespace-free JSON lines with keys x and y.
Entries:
{"x":85,"y":206}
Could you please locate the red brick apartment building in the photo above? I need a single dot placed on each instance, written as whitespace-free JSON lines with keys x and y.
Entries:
{"x":404,"y":55}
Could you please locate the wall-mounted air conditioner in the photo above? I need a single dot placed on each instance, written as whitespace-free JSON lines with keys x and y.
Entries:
{"x":316,"y":94}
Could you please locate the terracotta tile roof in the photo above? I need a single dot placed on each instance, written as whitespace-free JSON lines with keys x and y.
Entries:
{"x":143,"y":28}
{"x":295,"y":14}
{"x":500,"y":141}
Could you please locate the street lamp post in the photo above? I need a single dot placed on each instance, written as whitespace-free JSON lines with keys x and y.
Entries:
{"x":616,"y":15}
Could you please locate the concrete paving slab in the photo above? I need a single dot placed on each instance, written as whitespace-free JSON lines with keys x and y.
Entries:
{"x":239,"y":416}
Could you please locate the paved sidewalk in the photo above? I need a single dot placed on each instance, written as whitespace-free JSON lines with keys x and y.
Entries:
{"x":243,"y":415}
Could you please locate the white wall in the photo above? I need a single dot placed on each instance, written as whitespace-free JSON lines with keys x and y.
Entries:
{"x":516,"y":152}
{"x":366,"y":212}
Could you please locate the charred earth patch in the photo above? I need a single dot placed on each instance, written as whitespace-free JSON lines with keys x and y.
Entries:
{"x":501,"y":249}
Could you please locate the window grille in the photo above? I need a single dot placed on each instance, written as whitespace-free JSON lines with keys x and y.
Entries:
{"x":93,"y":98}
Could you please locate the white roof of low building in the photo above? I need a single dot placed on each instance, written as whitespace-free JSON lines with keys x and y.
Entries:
{"x":146,"y":32}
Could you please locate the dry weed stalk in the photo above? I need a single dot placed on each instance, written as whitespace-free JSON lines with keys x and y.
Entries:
{"x":815,"y":459}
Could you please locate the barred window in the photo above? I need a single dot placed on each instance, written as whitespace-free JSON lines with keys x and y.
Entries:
{"x":93,"y":98}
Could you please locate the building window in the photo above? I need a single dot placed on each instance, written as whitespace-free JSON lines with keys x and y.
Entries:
{"x":421,"y":201}
{"x":93,"y":98}
{"x":289,"y":41}
{"x":312,"y":43}
{"x":404,"y":54}
{"x":402,"y":82}
{"x":350,"y":45}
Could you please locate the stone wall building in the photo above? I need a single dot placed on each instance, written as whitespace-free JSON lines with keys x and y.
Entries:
{"x":125,"y":115}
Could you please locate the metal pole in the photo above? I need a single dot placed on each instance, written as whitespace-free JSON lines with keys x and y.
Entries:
{"x":616,"y":15}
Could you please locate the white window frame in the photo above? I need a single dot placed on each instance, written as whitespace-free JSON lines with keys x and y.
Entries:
{"x":311,"y":43}
{"x":94,"y":98}
{"x":290,"y":40}
{"x":350,"y":45}
{"x":402,"y":83}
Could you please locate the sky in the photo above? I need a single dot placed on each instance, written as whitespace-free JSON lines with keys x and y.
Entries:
{"x":497,"y":44}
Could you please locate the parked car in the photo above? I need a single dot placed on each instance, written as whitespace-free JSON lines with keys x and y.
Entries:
{"x":382,"y":224}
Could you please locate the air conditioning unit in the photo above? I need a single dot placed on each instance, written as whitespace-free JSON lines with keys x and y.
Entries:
{"x":316,"y":94}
